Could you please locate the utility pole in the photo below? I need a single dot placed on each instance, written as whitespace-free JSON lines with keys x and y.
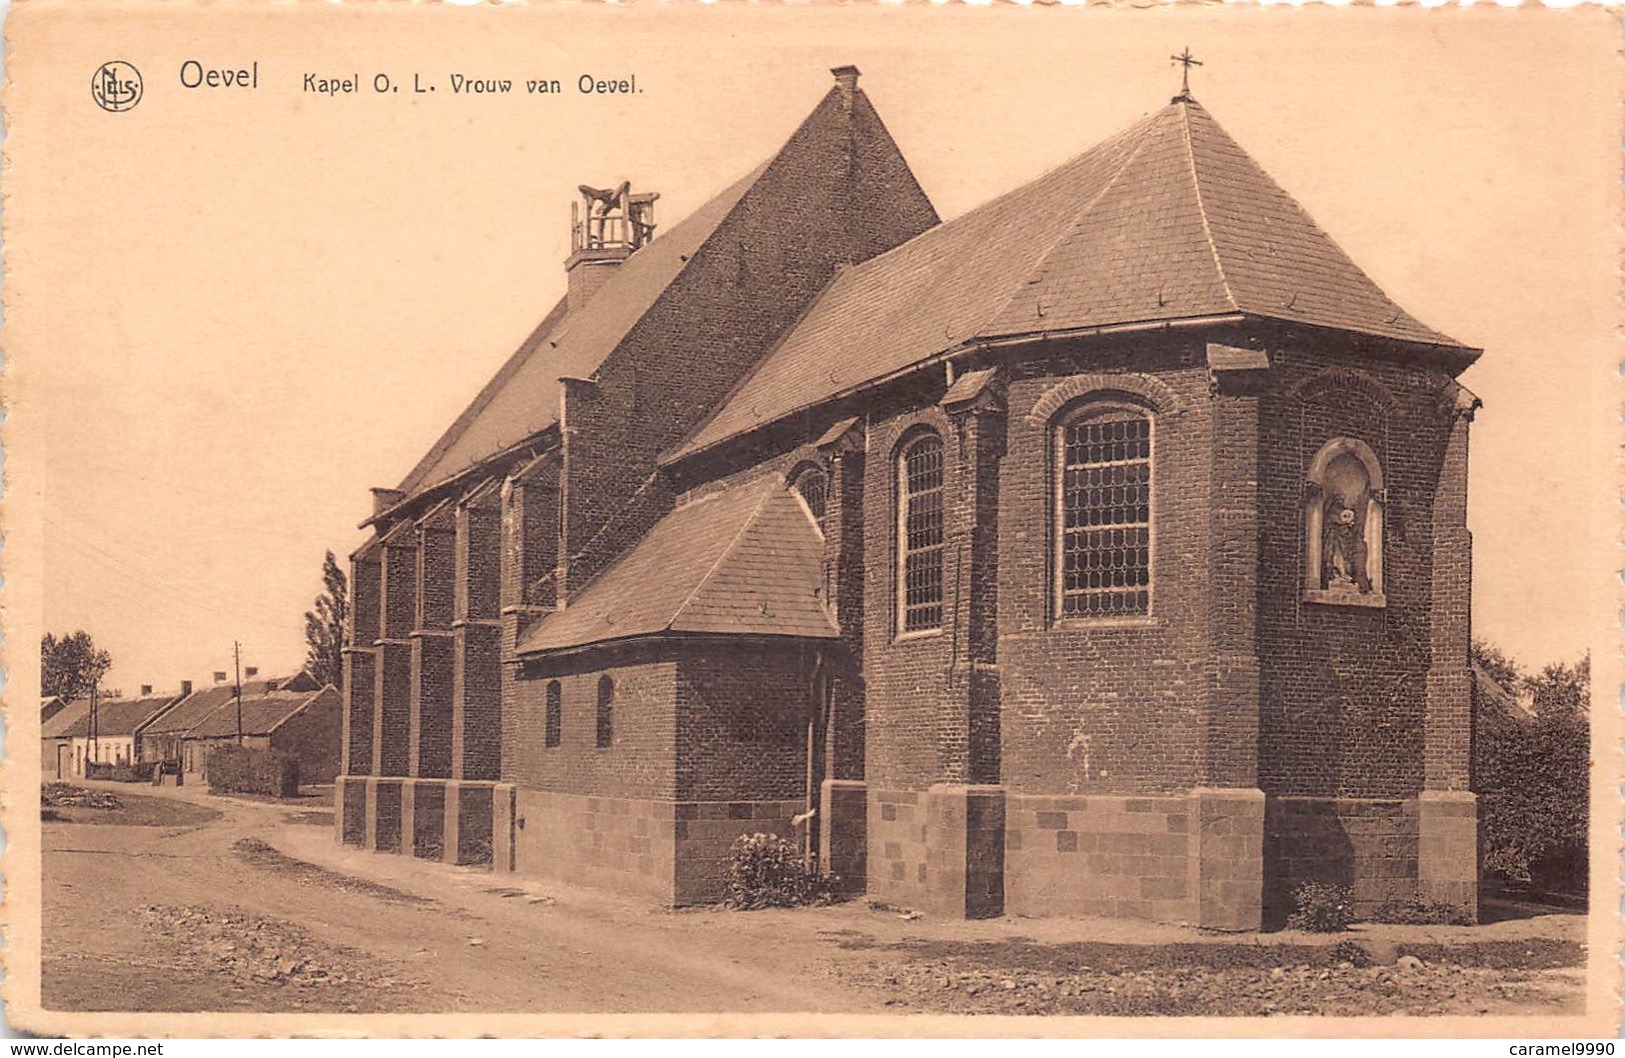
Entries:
{"x":95,"y":733}
{"x":237,"y":663}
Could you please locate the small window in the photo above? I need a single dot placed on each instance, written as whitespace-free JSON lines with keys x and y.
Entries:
{"x":812,"y":485}
{"x":920,"y":537}
{"x":606,"y":712}
{"x":555,"y":713}
{"x":1103,"y":521}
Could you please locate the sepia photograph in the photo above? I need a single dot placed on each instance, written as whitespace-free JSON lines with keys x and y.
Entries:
{"x":740,"y":520}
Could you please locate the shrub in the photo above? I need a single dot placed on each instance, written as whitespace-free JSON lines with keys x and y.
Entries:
{"x":1533,"y":775}
{"x":238,"y":769}
{"x":1418,"y":911}
{"x":764,"y":870}
{"x":67,"y":795}
{"x":123,"y":771}
{"x":1322,"y":908}
{"x":1351,"y":952}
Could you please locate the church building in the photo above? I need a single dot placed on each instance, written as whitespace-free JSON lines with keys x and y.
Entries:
{"x":1102,"y":551}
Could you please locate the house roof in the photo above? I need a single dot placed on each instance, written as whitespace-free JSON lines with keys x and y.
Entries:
{"x":199,"y":704}
{"x":262,"y":713}
{"x":1492,"y":692}
{"x":522,"y":400}
{"x":743,"y":561}
{"x":116,"y":716}
{"x":1169,"y":220}
{"x":61,"y":724}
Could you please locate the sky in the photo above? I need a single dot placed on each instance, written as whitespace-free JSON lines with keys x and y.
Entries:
{"x":233,"y":311}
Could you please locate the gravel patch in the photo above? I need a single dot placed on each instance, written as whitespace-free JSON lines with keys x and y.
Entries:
{"x":1240,"y":980}
{"x":281,"y":964}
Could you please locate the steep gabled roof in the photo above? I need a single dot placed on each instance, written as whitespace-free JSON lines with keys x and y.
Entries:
{"x":199,"y":704}
{"x":523,"y":398}
{"x":1168,"y":220}
{"x":262,"y":713}
{"x":1491,"y":694}
{"x":116,"y":716}
{"x":61,"y":725}
{"x":744,"y":561}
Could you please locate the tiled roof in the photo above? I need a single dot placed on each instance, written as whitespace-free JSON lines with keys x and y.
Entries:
{"x":1491,"y":693}
{"x":744,"y":561}
{"x":61,"y":725}
{"x":1168,"y":220}
{"x":199,"y":704}
{"x":193,"y":708}
{"x":262,"y":714}
{"x":116,"y":716}
{"x":523,"y":398}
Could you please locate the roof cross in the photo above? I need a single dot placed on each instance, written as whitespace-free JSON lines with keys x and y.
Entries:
{"x":1188,"y":60}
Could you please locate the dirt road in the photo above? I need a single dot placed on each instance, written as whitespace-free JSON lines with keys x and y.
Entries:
{"x":435,"y":939}
{"x":184,"y":901}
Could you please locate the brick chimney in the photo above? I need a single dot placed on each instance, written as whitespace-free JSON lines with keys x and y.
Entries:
{"x":846,"y":79}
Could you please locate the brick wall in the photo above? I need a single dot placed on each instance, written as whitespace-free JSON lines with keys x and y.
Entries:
{"x":640,"y":762}
{"x":673,"y":852}
{"x":399,"y":584}
{"x":314,"y":737}
{"x":360,"y":688}
{"x":837,"y":192}
{"x":392,"y":704}
{"x":437,"y":560}
{"x":430,"y":708}
{"x":916,"y":729}
{"x":742,"y":723}
{"x":1110,"y":705}
{"x":1343,"y":688}
{"x":1368,"y":843}
{"x":476,"y":705}
{"x":704,"y":832}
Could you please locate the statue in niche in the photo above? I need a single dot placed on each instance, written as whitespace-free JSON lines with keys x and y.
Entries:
{"x":1343,"y":552}
{"x":1344,"y":521}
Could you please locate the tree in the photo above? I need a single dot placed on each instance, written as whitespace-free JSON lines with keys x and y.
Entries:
{"x":1532,"y":774}
{"x":1562,"y":690}
{"x":1500,"y":667}
{"x":326,"y":625}
{"x":71,"y":667}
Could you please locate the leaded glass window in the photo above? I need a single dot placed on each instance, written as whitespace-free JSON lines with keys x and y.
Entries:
{"x":606,"y":712}
{"x":1103,"y":538}
{"x":553,"y":726}
{"x":813,"y":488}
{"x":920,"y":535}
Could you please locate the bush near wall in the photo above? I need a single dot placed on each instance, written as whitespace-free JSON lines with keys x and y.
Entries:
{"x":765,"y":870}
{"x":237,"y":769}
{"x":123,"y":771}
{"x":1533,"y":780}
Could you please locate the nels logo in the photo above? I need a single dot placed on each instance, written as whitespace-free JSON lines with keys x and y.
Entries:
{"x":116,"y":86}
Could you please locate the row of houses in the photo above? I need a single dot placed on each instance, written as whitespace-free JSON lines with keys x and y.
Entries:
{"x":292,"y":714}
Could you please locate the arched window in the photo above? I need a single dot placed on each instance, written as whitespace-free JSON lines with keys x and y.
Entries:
{"x":812,"y":485}
{"x":920,"y":536}
{"x":1342,"y":523}
{"x":555,"y":713}
{"x":606,"y":711}
{"x":1103,"y":512}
